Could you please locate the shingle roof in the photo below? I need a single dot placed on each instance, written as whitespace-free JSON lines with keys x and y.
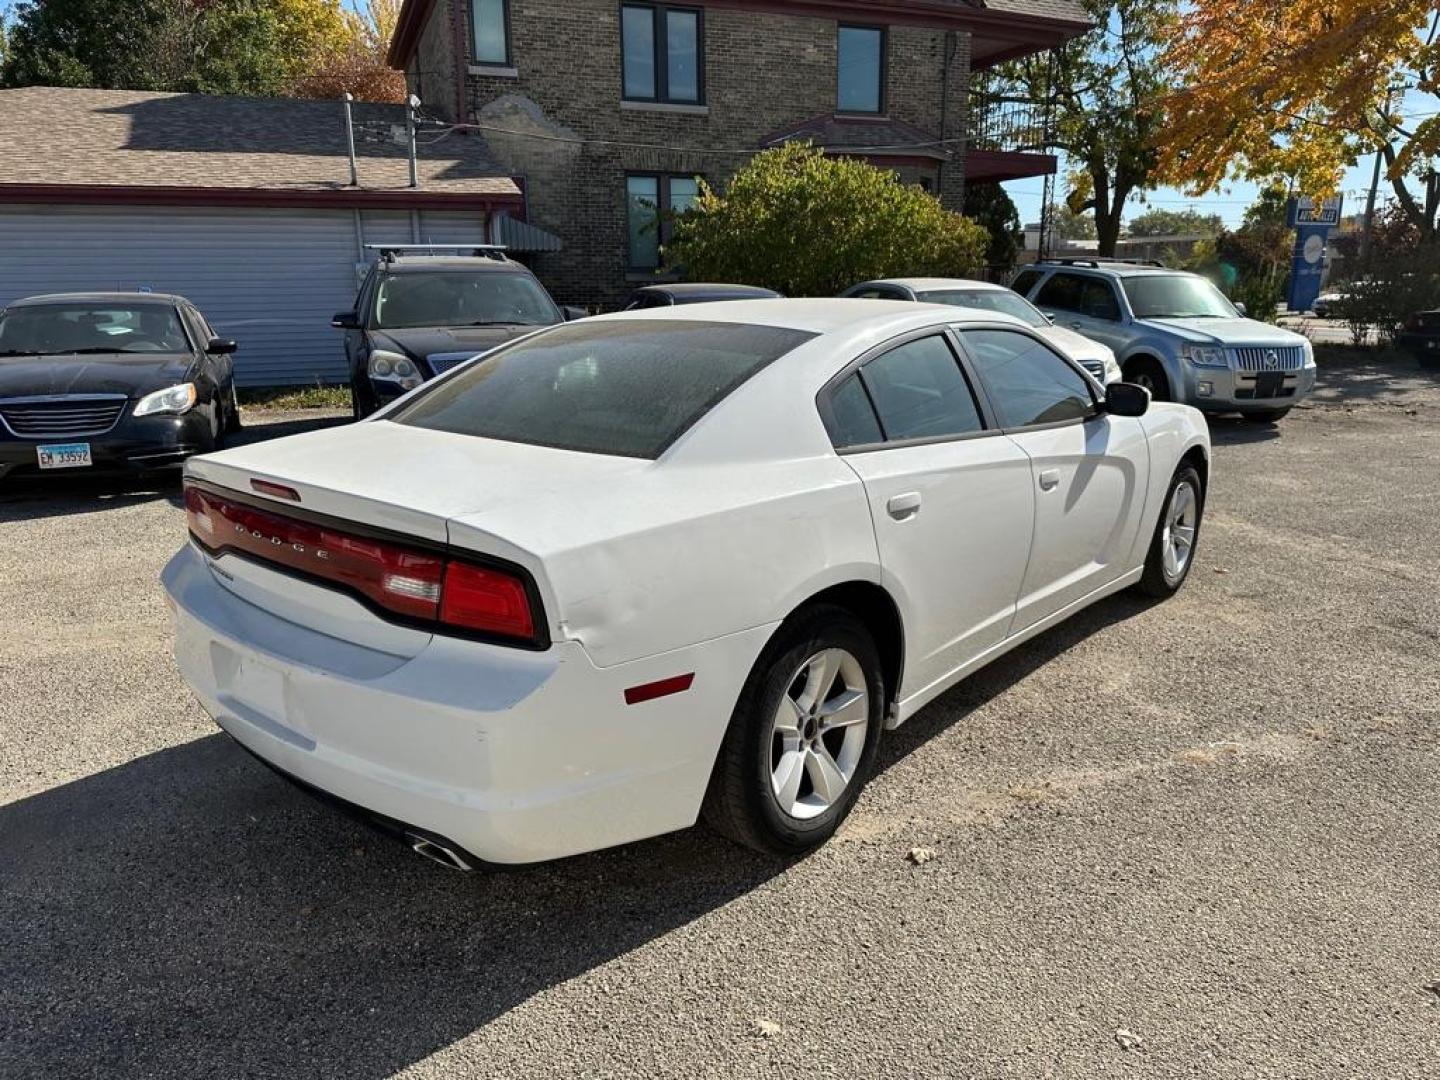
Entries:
{"x":1059,"y":10}
{"x":880,"y":137}
{"x":53,"y":135}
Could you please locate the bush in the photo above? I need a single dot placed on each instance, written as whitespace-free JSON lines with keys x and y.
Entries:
{"x":805,"y":224}
{"x":1406,"y":282}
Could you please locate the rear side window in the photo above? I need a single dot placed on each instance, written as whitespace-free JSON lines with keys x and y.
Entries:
{"x":852,"y":419}
{"x":1062,"y":291}
{"x":1026,"y":382}
{"x":626,"y":387}
{"x":1025,"y":281}
{"x":920,"y":393}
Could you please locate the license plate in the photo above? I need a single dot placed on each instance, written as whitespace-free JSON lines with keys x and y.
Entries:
{"x":1269,"y":384}
{"x":71,"y":455}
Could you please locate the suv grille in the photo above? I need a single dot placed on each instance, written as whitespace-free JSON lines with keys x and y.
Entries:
{"x":1265,"y":358}
{"x":62,"y":416}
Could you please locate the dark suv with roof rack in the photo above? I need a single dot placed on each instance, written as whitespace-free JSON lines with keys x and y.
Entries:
{"x":426,"y":308}
{"x":1176,"y":334}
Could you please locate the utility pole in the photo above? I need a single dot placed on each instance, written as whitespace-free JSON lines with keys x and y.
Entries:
{"x":350,"y":139}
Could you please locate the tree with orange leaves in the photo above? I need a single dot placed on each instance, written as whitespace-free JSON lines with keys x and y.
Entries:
{"x":1299,"y":90}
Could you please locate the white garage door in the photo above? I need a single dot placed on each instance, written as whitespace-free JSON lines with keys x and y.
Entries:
{"x":270,"y":279}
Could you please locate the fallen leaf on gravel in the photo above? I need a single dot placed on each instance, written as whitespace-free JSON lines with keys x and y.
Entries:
{"x":919,"y":855}
{"x":1434,"y":988}
{"x":767,"y":1029}
{"x":1128,"y":1040}
{"x":1221,"y":570}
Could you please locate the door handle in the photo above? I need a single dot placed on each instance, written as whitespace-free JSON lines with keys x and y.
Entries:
{"x":1049,"y":479}
{"x":903,"y":507}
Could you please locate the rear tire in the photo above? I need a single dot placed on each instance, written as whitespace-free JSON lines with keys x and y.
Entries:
{"x":1149,"y":374}
{"x":1267,"y":416}
{"x":1172,"y":548}
{"x":803,"y":737}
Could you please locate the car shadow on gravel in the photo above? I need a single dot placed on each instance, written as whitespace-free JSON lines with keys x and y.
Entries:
{"x":189,"y":914}
{"x":997,"y":677}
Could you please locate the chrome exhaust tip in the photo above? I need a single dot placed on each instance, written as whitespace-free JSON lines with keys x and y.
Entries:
{"x":437,"y":853}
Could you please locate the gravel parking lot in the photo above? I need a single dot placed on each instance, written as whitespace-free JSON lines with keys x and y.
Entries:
{"x":1193,"y":839}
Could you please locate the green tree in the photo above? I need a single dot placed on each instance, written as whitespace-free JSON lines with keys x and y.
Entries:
{"x":213,"y":46}
{"x":1069,"y":225}
{"x":1108,"y":88}
{"x":810,"y":225}
{"x":990,"y":206}
{"x":1157,"y":222}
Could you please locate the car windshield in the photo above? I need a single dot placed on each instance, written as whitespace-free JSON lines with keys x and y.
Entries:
{"x":1178,"y":296}
{"x":463,"y":298}
{"x":628,"y":387}
{"x":1001,"y":300}
{"x":64,"y":329}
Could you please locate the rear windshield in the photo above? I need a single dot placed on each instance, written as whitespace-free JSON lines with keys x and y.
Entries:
{"x":1001,"y":300}
{"x":100,"y":327}
{"x":628,"y":387}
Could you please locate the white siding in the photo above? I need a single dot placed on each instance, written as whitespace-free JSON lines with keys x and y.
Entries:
{"x":271,"y":279}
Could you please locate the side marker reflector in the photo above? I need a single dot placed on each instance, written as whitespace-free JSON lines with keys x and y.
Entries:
{"x":649,"y":691}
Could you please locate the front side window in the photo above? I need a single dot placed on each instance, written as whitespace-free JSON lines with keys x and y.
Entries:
{"x":919,"y":392}
{"x":1097,"y":300}
{"x":1177,"y":296}
{"x":651,"y":203}
{"x":861,"y":69}
{"x":461,"y":298}
{"x":623,"y":387}
{"x":1025,"y":381}
{"x":68,"y":328}
{"x":490,"y":29}
{"x":1025,"y":281}
{"x":662,"y":53}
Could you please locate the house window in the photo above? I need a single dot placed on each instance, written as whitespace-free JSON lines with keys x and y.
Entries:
{"x":648,"y":224}
{"x":663,"y":53}
{"x":490,"y":27}
{"x":861,"y":69}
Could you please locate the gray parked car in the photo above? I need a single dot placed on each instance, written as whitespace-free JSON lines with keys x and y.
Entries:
{"x":1176,"y":335}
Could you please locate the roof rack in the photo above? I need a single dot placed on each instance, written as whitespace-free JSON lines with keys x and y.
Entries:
{"x":388,"y":252}
{"x":1098,"y":262}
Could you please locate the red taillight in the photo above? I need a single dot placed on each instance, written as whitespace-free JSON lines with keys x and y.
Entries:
{"x":478,"y":598}
{"x":416,"y":584}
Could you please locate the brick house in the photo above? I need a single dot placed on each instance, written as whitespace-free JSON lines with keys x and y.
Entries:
{"x":606,"y":111}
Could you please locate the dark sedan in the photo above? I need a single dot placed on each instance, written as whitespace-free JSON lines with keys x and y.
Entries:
{"x":110,"y":381}
{"x":694,"y":292}
{"x":1421,"y":335}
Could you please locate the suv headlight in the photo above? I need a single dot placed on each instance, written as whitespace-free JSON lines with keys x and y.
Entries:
{"x":173,"y":399}
{"x":1206,"y":356}
{"x":391,"y":367}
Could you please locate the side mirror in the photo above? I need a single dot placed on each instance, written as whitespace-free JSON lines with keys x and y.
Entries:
{"x":1126,"y":399}
{"x":220,"y":346}
{"x":1238,"y":306}
{"x":345,"y":320}
{"x":573,"y":313}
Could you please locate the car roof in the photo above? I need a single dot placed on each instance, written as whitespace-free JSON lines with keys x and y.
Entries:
{"x":166,"y":299}
{"x":705,"y":288}
{"x":819,"y":315}
{"x":413,"y":264}
{"x":925,"y":284}
{"x":1118,"y":269}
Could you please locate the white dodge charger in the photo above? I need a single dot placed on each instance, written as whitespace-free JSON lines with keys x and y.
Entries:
{"x":635,"y":569}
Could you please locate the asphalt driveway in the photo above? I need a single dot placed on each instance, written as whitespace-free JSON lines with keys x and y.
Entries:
{"x":1200,"y":838}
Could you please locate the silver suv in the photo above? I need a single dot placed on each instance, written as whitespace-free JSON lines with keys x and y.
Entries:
{"x":1176,"y":335}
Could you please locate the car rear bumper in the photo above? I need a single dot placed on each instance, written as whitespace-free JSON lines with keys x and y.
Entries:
{"x":148,"y":442}
{"x":1227,"y":390}
{"x":509,"y":756}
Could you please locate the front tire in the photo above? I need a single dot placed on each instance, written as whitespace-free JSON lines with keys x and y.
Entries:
{"x":1172,"y":548}
{"x":232,"y":412}
{"x":803,"y":737}
{"x":1149,"y":374}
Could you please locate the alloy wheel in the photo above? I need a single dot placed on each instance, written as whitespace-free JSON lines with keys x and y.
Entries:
{"x":1178,"y":539}
{"x":818,"y":733}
